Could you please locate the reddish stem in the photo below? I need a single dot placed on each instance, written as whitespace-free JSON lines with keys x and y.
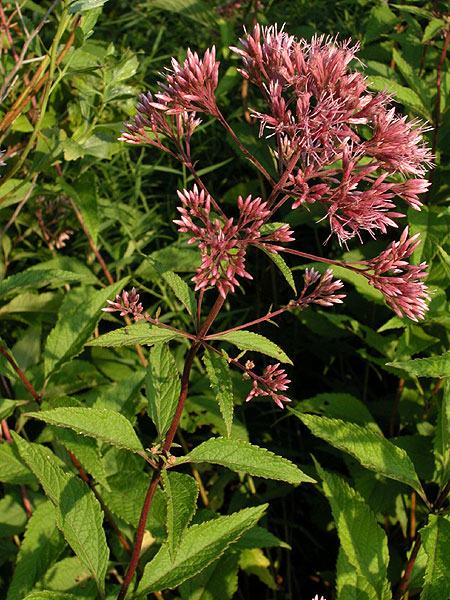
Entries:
{"x":409,"y":567}
{"x":166,"y":447}
{"x":17,"y":369}
{"x":26,"y":501}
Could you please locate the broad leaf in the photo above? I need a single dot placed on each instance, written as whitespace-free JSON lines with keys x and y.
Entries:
{"x":436,"y":541}
{"x":238,"y":455}
{"x":362,"y":539}
{"x":219,"y":581}
{"x":139,"y":333}
{"x":79,"y":515}
{"x":163,"y":388}
{"x":39,"y":549}
{"x":350,"y":585}
{"x":106,"y":425}
{"x":79,"y":315}
{"x":12,"y":467}
{"x":402,"y":94}
{"x":248,"y":340}
{"x":179,"y":287}
{"x":434,"y":366}
{"x":201,"y":545}
{"x":368,"y":447}
{"x":36,"y":278}
{"x":220,"y":381}
{"x":181,"y":493}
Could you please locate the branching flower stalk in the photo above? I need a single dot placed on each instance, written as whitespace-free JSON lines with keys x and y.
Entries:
{"x":334,"y":144}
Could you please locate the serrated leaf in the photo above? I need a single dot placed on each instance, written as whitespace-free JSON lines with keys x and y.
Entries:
{"x":415,"y":10}
{"x":139,"y":333}
{"x":350,"y":585}
{"x":259,"y":537}
{"x":282,"y":266}
{"x":413,"y":81}
{"x":179,"y":287}
{"x":123,"y":396}
{"x":362,"y":539}
{"x":105,"y":425}
{"x":402,"y":94}
{"x":181,"y":494}
{"x":434,"y":366}
{"x":49,"y":595}
{"x":12,"y":467}
{"x":238,"y":455}
{"x":248,"y":340}
{"x":80,"y":312}
{"x":40,"y":548}
{"x":220,"y":381}
{"x":368,"y":447}
{"x":219,"y":581}
{"x":79,"y":515}
{"x":436,"y":541}
{"x":201,"y":545}
{"x":86,"y":451}
{"x":433,"y":27}
{"x":36,"y":278}
{"x":163,"y":387}
{"x":85,"y":197}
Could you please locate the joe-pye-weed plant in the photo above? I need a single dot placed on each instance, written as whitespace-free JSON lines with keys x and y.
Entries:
{"x":120,"y":506}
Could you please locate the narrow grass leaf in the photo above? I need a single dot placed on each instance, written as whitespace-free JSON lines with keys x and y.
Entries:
{"x":85,"y":197}
{"x":238,"y":455}
{"x":436,"y":541}
{"x":105,"y":425}
{"x":139,"y":333}
{"x":40,"y":548}
{"x":78,"y":511}
{"x":248,"y":340}
{"x":362,"y":539}
{"x":434,"y":366}
{"x":181,"y":494}
{"x":368,"y":447}
{"x":220,"y":381}
{"x":79,"y":315}
{"x":201,"y":545}
{"x":163,"y":387}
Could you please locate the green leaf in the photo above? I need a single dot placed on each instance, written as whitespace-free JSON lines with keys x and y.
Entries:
{"x":80,"y":312}
{"x":36,"y":278}
{"x":201,"y":545}
{"x":414,"y":10}
{"x":434,"y":366}
{"x":381,"y":21}
{"x":105,"y":425}
{"x":436,"y":541}
{"x":85,"y":198}
{"x":238,"y":455}
{"x":86,"y":451}
{"x":254,"y":562}
{"x":219,"y":581}
{"x":85,"y":5}
{"x":402,"y":94}
{"x":433,"y":27}
{"x":163,"y":388}
{"x":350,"y":585}
{"x":139,"y":333}
{"x":362,"y":539}
{"x":197,"y":10}
{"x":123,"y":396}
{"x":248,"y":340}
{"x":220,"y":380}
{"x":181,"y":494}
{"x":79,"y":515}
{"x":40,"y":548}
{"x":368,"y":447}
{"x":441,"y":440}
{"x":13,"y":517}
{"x":281,"y":264}
{"x":179,"y":287}
{"x":12,"y":467}
{"x":49,"y":595}
{"x":412,"y":79}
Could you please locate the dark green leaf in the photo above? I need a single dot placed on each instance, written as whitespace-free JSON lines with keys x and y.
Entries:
{"x":436,"y":541}
{"x":248,"y":340}
{"x":219,"y":378}
{"x":434,"y":366}
{"x":181,"y":493}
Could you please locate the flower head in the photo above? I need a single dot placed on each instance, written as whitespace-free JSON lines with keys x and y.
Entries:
{"x":127,"y":304}
{"x":273,"y":381}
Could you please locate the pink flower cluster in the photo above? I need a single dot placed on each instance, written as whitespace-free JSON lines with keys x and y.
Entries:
{"x":223,"y":243}
{"x":273,"y":380}
{"x":315,"y":109}
{"x":324,"y":291}
{"x":127,"y":304}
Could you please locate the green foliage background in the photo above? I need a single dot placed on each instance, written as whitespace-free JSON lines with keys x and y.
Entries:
{"x":370,"y":399}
